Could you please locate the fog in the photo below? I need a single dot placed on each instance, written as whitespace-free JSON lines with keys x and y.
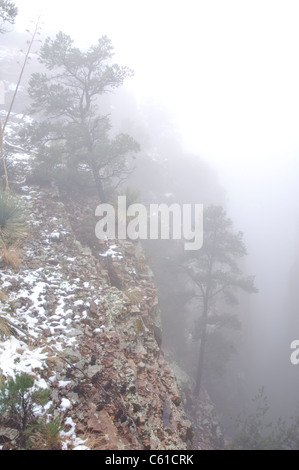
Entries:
{"x":228,"y":74}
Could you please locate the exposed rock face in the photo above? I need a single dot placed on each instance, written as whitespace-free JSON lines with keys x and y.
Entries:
{"x":95,"y":342}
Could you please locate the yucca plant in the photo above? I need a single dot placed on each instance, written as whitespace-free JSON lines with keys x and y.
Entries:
{"x":12,"y":225}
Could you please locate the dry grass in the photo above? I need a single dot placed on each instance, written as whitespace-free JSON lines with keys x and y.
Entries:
{"x":3,"y":296}
{"x":38,"y":441}
{"x":11,"y":257}
{"x":6,"y":330}
{"x":142,"y":265}
{"x":46,"y":436}
{"x":92,"y":440}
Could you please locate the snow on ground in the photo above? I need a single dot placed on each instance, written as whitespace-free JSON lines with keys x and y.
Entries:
{"x":46,"y":302}
{"x":16,"y":357}
{"x":112,"y":252}
{"x":69,"y":437}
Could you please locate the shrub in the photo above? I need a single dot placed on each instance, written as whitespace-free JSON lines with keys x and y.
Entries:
{"x":18,"y":402}
{"x":73,"y":180}
{"x":135,"y":296}
{"x":41,"y":175}
{"x":69,"y":179}
{"x":45,"y":435}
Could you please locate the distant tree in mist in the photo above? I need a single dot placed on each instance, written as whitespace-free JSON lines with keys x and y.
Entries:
{"x":71,"y":131}
{"x":8,"y":13}
{"x":215,"y":272}
{"x":254,"y":429}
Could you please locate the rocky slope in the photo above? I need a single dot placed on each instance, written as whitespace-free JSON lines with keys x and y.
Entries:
{"x":88,"y":328}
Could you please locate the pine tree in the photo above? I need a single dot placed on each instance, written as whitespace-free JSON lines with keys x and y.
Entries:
{"x":71,"y":131}
{"x":215,"y":271}
{"x":18,"y":400}
{"x":8,"y":13}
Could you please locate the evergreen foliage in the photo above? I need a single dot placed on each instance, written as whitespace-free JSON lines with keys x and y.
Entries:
{"x":70,"y":131}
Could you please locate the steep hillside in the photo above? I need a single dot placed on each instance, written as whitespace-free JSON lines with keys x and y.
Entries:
{"x":88,"y":328}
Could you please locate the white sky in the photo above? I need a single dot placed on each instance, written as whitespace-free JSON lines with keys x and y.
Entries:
{"x":229,"y":70}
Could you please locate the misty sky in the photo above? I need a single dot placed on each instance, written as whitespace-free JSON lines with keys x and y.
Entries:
{"x":229,"y":70}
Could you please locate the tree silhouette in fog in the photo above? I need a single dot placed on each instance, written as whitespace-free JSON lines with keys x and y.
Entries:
{"x":70,"y":130}
{"x":215,"y":272}
{"x":8,"y":13}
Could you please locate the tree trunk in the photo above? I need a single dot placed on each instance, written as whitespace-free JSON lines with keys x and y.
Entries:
{"x":99,"y":184}
{"x":202,"y":349}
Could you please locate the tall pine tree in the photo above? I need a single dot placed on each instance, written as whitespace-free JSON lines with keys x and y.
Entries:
{"x":216,"y":275}
{"x":70,"y":131}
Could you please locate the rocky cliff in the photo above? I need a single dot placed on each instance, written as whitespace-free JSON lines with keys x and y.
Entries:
{"x":86,"y":324}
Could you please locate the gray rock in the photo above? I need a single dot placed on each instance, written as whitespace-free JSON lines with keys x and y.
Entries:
{"x":74,"y":356}
{"x":73,"y":333}
{"x":93,"y":370}
{"x":8,"y":433}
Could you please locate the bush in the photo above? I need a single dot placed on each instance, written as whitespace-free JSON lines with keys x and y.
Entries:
{"x":135,"y":296}
{"x":45,"y":435}
{"x":41,"y":175}
{"x":18,"y":403}
{"x":73,"y":180}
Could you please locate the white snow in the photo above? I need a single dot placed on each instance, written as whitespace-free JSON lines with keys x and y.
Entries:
{"x":16,"y":357}
{"x":65,"y":404}
{"x":55,"y":235}
{"x":112,"y":252}
{"x":70,"y":439}
{"x":63,"y":383}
